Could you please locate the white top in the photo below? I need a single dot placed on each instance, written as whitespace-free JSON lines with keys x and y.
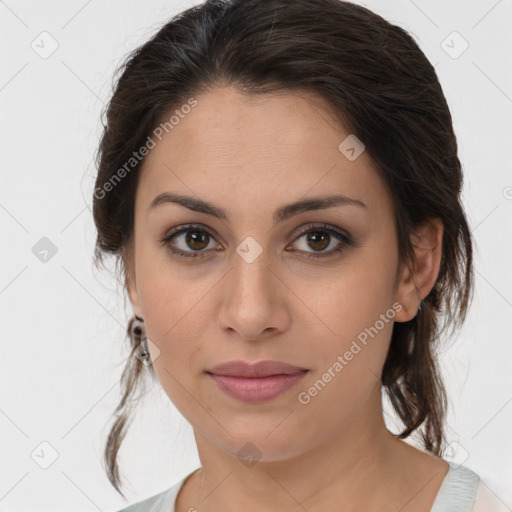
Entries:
{"x":461,"y":491}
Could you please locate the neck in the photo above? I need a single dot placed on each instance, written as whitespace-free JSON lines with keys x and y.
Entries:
{"x":361,"y":466}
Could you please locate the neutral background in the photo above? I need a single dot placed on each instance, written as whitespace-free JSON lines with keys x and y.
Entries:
{"x":63,"y":322}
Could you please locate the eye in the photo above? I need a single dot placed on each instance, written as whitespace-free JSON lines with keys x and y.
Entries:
{"x":189,"y":236}
{"x":195,"y":239}
{"x":320,"y":237}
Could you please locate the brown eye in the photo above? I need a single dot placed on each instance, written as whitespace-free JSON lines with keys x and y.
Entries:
{"x":319,"y":238}
{"x":188,"y":241}
{"x":197,"y":239}
{"x":192,"y":241}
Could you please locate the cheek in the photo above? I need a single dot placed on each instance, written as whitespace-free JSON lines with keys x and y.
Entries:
{"x":175,"y":316}
{"x":350,"y":298}
{"x":347,"y":366}
{"x":353,"y":316}
{"x":166,"y":295}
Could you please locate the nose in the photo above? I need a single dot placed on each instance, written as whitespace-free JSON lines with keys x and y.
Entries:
{"x":253,"y":300}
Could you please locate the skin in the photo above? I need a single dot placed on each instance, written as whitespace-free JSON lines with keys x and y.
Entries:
{"x":251,"y":155}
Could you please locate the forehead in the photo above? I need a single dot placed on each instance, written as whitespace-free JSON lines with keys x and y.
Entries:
{"x":262,"y":148}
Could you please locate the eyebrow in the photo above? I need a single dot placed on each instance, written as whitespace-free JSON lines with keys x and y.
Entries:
{"x":281,"y":214}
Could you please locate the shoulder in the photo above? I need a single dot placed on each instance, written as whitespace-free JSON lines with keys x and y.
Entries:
{"x":464,"y":491}
{"x":458,"y":490}
{"x":161,"y":501}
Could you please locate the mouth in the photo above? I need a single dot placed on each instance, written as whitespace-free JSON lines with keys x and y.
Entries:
{"x":264,"y":368}
{"x":256,"y":382}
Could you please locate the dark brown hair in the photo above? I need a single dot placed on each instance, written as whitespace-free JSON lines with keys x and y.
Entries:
{"x":380,"y":86}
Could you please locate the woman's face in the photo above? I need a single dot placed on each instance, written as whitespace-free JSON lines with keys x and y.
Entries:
{"x":259,"y":288}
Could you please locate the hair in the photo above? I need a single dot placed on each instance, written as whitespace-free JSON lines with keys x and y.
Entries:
{"x":379,"y":84}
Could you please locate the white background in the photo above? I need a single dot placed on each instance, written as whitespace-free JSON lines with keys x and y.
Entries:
{"x":63,"y":322}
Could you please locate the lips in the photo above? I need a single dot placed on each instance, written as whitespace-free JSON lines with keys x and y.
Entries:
{"x":257,"y":382}
{"x":255,"y":370}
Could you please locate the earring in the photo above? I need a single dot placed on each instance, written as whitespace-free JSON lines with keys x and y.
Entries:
{"x":141,"y":352}
{"x":137,"y":329}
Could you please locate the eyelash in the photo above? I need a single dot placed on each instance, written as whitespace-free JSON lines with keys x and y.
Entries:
{"x":344,"y":238}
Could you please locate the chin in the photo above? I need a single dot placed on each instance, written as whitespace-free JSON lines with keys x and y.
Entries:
{"x":253,"y":446}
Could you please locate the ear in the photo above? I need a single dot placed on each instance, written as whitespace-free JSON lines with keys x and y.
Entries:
{"x":419,"y":277}
{"x":130,"y":282}
{"x":133,"y":295}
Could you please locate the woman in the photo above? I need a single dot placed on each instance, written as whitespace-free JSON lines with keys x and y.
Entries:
{"x":279,"y":181}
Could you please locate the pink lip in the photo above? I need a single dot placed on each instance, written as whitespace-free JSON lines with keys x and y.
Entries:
{"x":256,"y":382}
{"x":259,"y":369}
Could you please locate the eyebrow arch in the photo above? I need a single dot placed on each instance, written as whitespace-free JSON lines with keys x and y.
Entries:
{"x":281,"y":214}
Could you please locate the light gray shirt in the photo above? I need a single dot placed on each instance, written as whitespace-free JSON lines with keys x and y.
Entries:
{"x":458,"y":493}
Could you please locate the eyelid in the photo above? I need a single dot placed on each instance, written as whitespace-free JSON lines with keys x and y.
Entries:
{"x":304,"y":229}
{"x":342,"y":235}
{"x":186,"y":227}
{"x":321,"y":226}
{"x":183,"y":228}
